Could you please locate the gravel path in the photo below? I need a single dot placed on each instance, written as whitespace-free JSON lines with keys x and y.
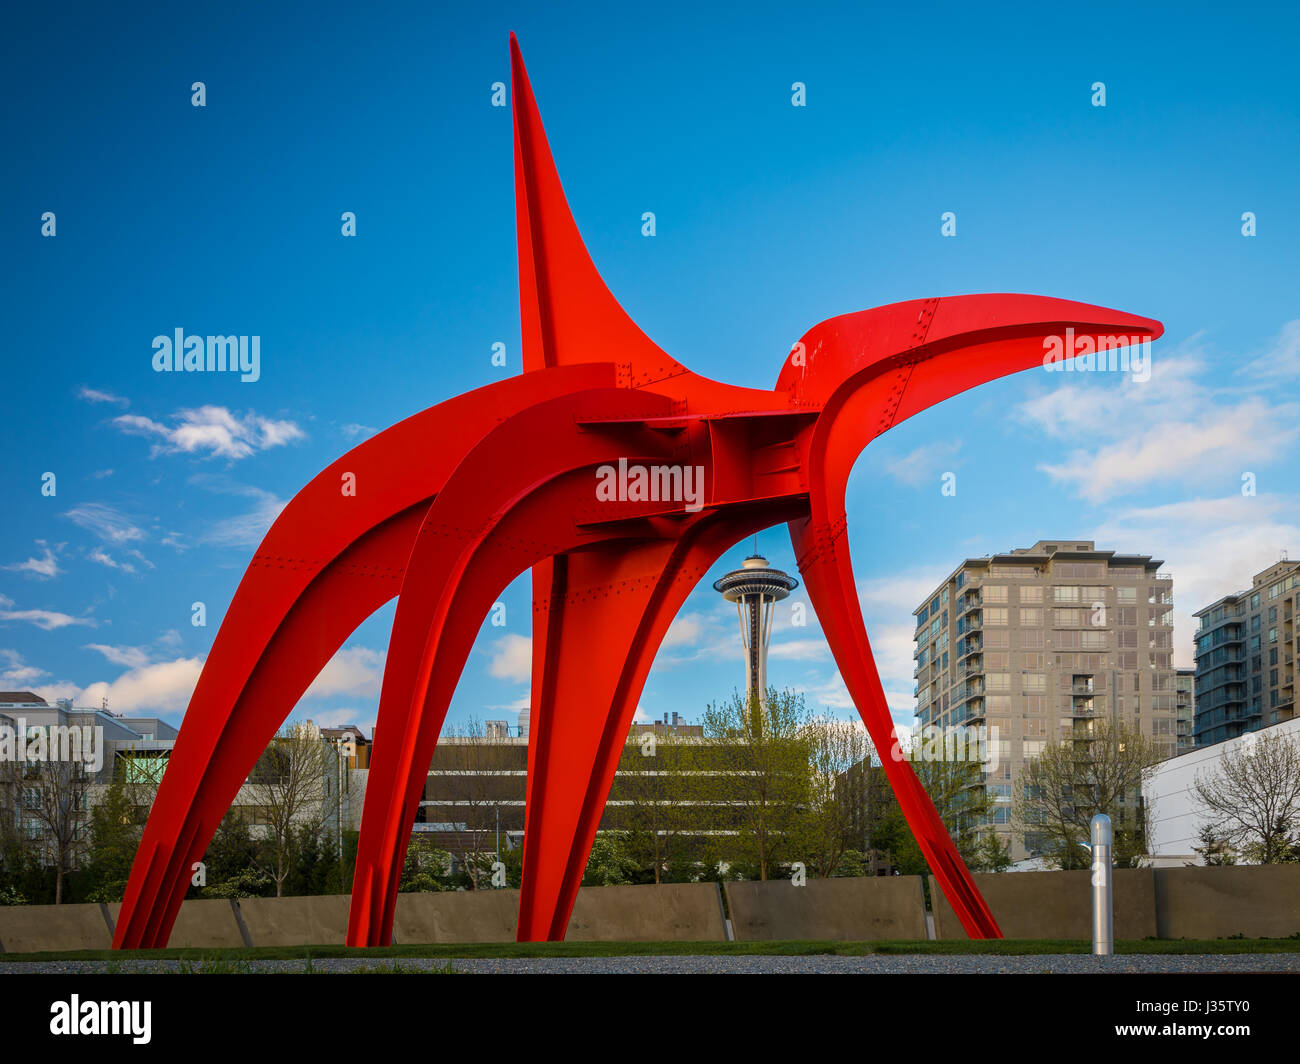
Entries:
{"x":714,"y":965}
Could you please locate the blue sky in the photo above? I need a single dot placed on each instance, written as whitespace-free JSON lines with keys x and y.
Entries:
{"x":226,"y":219}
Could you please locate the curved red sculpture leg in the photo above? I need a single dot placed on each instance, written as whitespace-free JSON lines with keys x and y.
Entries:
{"x":329,"y":560}
{"x":869,"y":371}
{"x":509,"y":504}
{"x":595,"y":637}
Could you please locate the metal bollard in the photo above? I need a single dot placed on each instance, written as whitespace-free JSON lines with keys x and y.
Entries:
{"x":1103,"y":928}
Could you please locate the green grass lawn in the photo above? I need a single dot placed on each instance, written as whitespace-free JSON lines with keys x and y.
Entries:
{"x":999,"y":947}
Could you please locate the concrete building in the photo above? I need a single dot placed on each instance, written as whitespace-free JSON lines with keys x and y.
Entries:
{"x":107,"y":746}
{"x":135,"y":749}
{"x":1245,"y":657}
{"x":1038,"y":642}
{"x":476,"y":786}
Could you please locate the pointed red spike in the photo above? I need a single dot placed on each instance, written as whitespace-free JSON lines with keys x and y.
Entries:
{"x":568,"y":314}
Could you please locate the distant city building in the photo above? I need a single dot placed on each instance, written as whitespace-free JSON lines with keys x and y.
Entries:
{"x":1039,"y":642}
{"x":1245,"y":657}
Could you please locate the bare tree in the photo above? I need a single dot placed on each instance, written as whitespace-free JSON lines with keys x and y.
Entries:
{"x":1253,"y":796}
{"x":289,"y":784}
{"x":52,"y":796}
{"x":1101,"y":768}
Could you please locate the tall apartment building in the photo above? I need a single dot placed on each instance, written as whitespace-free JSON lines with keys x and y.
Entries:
{"x":1245,"y":657}
{"x":1185,"y":704}
{"x":1037,"y":643}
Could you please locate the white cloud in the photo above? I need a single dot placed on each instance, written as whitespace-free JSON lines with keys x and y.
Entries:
{"x":102,"y":557}
{"x":17,"y":673}
{"x":109,"y":524}
{"x":1171,"y":428}
{"x":213,"y":431}
{"x":246,"y":529}
{"x":45,"y":567}
{"x":1211,"y":547}
{"x":131,"y":657}
{"x":355,"y":431}
{"x":161,"y":687}
{"x":1222,"y":442}
{"x":512,"y":659}
{"x":355,"y":671}
{"x":1282,"y":359}
{"x":685,"y":629}
{"x":799,"y":650}
{"x":924,"y":464}
{"x":94,"y":395}
{"x":701,"y":635}
{"x":47,"y":620}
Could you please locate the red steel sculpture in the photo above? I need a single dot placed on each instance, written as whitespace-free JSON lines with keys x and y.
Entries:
{"x":453,"y":503}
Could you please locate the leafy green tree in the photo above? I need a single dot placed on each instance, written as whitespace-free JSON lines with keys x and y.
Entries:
{"x":609,"y":864}
{"x":1214,"y":850}
{"x":231,"y":862}
{"x":115,"y":828}
{"x":251,"y":882}
{"x":990,"y":853}
{"x":10,"y":895}
{"x":426,"y":868}
{"x":763,"y":750}
{"x":852,"y":863}
{"x":655,"y":787}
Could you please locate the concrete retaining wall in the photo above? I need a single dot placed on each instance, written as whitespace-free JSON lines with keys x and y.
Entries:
{"x":674,"y":912}
{"x":1203,"y":903}
{"x":1258,"y":902}
{"x":456,"y":916}
{"x":852,"y":910}
{"x":1054,"y":904}
{"x":318,"y":920}
{"x":36,"y":928}
{"x":202,"y":923}
{"x":670,"y":912}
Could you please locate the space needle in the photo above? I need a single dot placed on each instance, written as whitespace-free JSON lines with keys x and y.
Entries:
{"x":755,"y":588}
